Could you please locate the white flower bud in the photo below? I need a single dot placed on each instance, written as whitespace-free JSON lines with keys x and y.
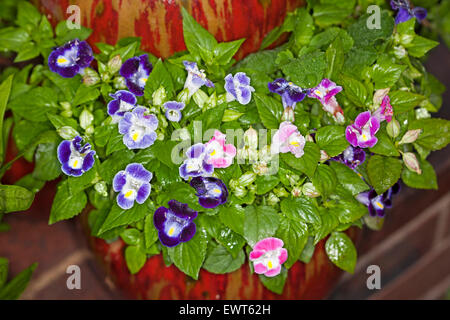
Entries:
{"x":296,"y":192}
{"x":410,"y":136}
{"x":119,"y":83}
{"x":67,"y":133}
{"x":272,"y":199}
{"x":247,"y":178}
{"x":399,"y":52}
{"x":288,"y":115}
{"x":251,"y":138}
{"x":393,"y":128}
{"x":86,"y":118}
{"x":65,"y":105}
{"x":281,"y":192}
{"x":422,"y":113}
{"x":323,"y":156}
{"x":183,"y":96}
{"x":240,"y":192}
{"x":89,"y":130}
{"x":101,"y":188}
{"x":200,"y":98}
{"x":309,"y":138}
{"x":90,"y":77}
{"x":411,"y":162}
{"x":114,"y":64}
{"x":310,"y":191}
{"x":379,"y":96}
{"x":159,"y":96}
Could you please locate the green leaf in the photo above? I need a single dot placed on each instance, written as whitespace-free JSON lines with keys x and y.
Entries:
{"x":30,"y":183}
{"x":275,"y":284}
{"x":301,"y":209}
{"x":13,"y":289}
{"x":329,"y":223}
{"x":35,"y":104}
{"x":219,"y":260}
{"x":365,"y":37}
{"x":269,"y":109}
{"x":327,"y":13}
{"x":332,"y":140}
{"x":27,"y":15}
{"x":341,"y":251}
{"x":85,"y":94}
{"x":419,"y":46}
{"x":435,"y":133}
{"x":182,"y":192}
{"x":233,"y":217}
{"x":47,"y":166}
{"x":66,"y":204}
{"x":426,"y":180}
{"x":335,"y":59}
{"x":328,"y":36}
{"x":308,"y":70}
{"x":27,"y":51}
{"x":68,"y":86}
{"x":5,"y":89}
{"x":349,"y":179}
{"x":64,"y":34}
{"x":13,"y":38}
{"x":324,"y":180}
{"x":4,"y":265}
{"x":15,"y":198}
{"x":150,"y":232}
{"x":189,"y":256}
{"x":308,"y":162}
{"x":159,"y":77}
{"x":385,"y":74}
{"x":404,"y":101}
{"x":116,"y":162}
{"x":355,"y":90}
{"x":266,"y":183}
{"x":259,"y":223}
{"x":131,"y":236}
{"x":383,"y":172}
{"x":135,"y":258}
{"x":119,"y":217}
{"x":224,"y":51}
{"x":59,"y":121}
{"x":294,"y":234}
{"x":115,"y":143}
{"x":384,"y":146}
{"x":308,"y":251}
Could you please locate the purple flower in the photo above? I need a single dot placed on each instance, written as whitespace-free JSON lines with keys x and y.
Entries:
{"x":325,"y":92}
{"x":136,"y":71}
{"x":385,"y":111}
{"x":378,"y":203}
{"x":138,"y":129}
{"x":289,"y":92}
{"x":175,"y":224}
{"x":75,"y":158}
{"x":405,"y":12}
{"x":173,"y":110}
{"x":352,"y":157}
{"x":71,"y":58}
{"x":133,"y":183}
{"x":211,"y":192}
{"x":362,"y":132}
{"x":196,"y":164}
{"x":238,"y":88}
{"x":196,"y":78}
{"x":124,"y":101}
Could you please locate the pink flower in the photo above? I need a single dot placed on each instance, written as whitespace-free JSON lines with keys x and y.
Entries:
{"x":220,"y":154}
{"x":362,"y":132}
{"x":268,"y":255}
{"x":385,"y":111}
{"x":288,"y":139}
{"x":325,"y":92}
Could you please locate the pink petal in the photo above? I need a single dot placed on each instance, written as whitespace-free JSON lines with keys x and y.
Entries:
{"x":218,"y":162}
{"x":273,"y":272}
{"x":375,"y":126}
{"x":230,"y":150}
{"x":268,"y":244}
{"x":283,"y":256}
{"x":351,"y":136}
{"x":255,"y":254}
{"x":260,"y":268}
{"x":362,"y":119}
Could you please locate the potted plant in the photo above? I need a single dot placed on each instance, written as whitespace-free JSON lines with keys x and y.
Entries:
{"x":203,"y":178}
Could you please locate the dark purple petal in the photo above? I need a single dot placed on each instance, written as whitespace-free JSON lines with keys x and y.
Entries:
{"x":168,"y":241}
{"x":420,"y":13}
{"x":195,"y":151}
{"x":133,"y":87}
{"x":188,"y":232}
{"x":394,"y":5}
{"x":64,"y":151}
{"x":113,"y":107}
{"x":125,"y":95}
{"x":403,"y":15}
{"x":362,"y":119}
{"x":209,"y":203}
{"x":70,"y":171}
{"x":143,"y":193}
{"x":190,"y":66}
{"x":145,"y":64}
{"x":182,"y":210}
{"x":85,"y":54}
{"x":88,"y":161}
{"x":183,"y":172}
{"x":68,"y":72}
{"x":278,"y":86}
{"x":129,"y":67}
{"x":159,"y":218}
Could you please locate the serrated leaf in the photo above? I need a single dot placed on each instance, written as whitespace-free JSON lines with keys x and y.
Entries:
{"x":294,"y":234}
{"x":301,"y":209}
{"x":269,"y":109}
{"x":383,"y":172}
{"x":426,"y":180}
{"x":324,"y":180}
{"x":308,"y":162}
{"x":349,"y":179}
{"x":66,"y":204}
{"x":341,"y":251}
{"x":332,"y":140}
{"x":219,"y":260}
{"x":259,"y":223}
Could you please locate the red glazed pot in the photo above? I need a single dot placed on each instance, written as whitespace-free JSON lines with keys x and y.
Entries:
{"x":157,"y":281}
{"x":159,"y":22}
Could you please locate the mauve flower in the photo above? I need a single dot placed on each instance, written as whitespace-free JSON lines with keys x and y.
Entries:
{"x":385,"y":111}
{"x":288,"y":139}
{"x":289,"y":92}
{"x":352,"y":157}
{"x":173,"y":110}
{"x":362,"y":132}
{"x":211,"y":191}
{"x":238,"y":88}
{"x":123,"y":102}
{"x":220,"y":155}
{"x":196,"y":78}
{"x":175,"y":224}
{"x":196,"y":164}
{"x":378,"y":203}
{"x":136,"y":71}
{"x":325,"y":92}
{"x":71,"y":58}
{"x":267,"y":256}
{"x":405,"y":12}
{"x":133,"y":184}
{"x":138,"y":128}
{"x":75,"y":158}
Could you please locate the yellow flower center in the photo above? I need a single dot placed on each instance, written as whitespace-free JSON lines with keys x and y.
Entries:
{"x":379,"y":204}
{"x":135,"y":136}
{"x":213,"y":152}
{"x":171,"y":231}
{"x":128,"y":194}
{"x":270,"y":265}
{"x":295,"y":144}
{"x":61,"y":60}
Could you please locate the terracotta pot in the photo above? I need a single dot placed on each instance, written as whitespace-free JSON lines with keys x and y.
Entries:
{"x":159,"y":22}
{"x":157,"y":281}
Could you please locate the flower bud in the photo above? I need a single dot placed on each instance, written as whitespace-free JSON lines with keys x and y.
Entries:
{"x":406,"y":39}
{"x":422,"y":113}
{"x":114,"y":64}
{"x":310,"y":191}
{"x":200,"y":97}
{"x":293,"y":179}
{"x":159,"y":96}
{"x":288,"y":114}
{"x":251,"y":138}
{"x":410,"y":136}
{"x":411,"y":162}
{"x":379,"y":96}
{"x":240,"y":192}
{"x":86,"y":118}
{"x":296,"y":192}
{"x":101,"y":188}
{"x":323,"y":156}
{"x":67,"y":113}
{"x":272,"y":199}
{"x":393,"y":128}
{"x":247,"y":179}
{"x":309,"y":138}
{"x":119,"y":83}
{"x":65,"y":105}
{"x":212,"y":102}
{"x":373,"y":223}
{"x":281,"y":192}
{"x":399,"y":52}
{"x":67,"y":133}
{"x":90,"y":77}
{"x":183,"y":96}
{"x":89,"y":130}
